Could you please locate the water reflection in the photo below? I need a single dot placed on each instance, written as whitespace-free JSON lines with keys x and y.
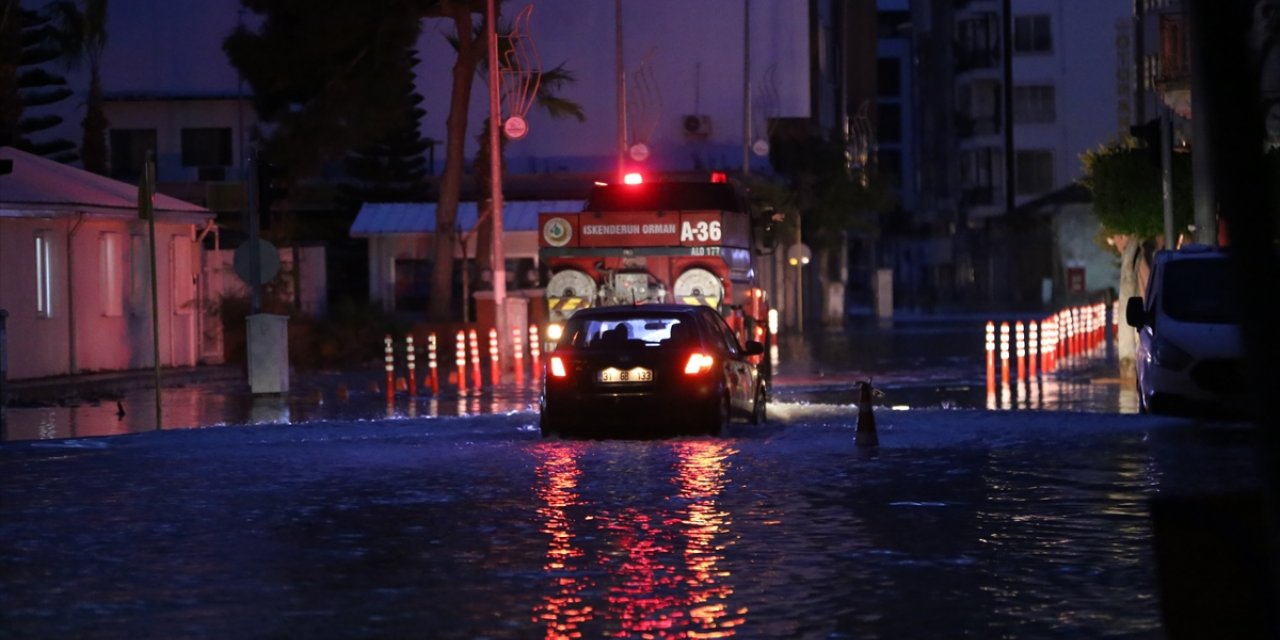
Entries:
{"x":660,"y":568}
{"x":216,"y":405}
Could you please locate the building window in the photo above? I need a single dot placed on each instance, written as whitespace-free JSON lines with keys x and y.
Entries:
{"x":209,"y":147}
{"x":44,"y":274}
{"x":412,"y":284}
{"x":888,"y":77}
{"x":889,"y":162}
{"x":1031,"y":34}
{"x":1034,"y":171}
{"x":129,"y":152}
{"x":111,"y":288}
{"x":889,"y":123}
{"x":1034,"y":104}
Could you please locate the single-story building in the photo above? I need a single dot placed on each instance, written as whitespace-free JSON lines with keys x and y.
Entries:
{"x":75,"y":274}
{"x":401,"y":246}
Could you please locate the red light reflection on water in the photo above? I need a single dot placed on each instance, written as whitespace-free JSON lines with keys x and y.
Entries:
{"x":563,"y":611}
{"x":662,"y":563}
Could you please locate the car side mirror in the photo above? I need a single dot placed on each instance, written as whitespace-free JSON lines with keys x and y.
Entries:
{"x":1134,"y":313}
{"x":753,"y":348}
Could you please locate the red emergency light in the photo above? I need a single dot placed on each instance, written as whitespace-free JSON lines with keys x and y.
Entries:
{"x":719,"y":177}
{"x":633,"y":178}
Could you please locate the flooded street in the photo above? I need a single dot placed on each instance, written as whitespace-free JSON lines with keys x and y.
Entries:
{"x":919,"y":363}
{"x":1026,"y":522}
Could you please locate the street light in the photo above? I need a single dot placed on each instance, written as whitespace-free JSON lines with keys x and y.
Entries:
{"x":798,"y":255}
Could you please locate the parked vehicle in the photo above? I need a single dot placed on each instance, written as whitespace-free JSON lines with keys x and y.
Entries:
{"x":649,"y":370}
{"x":1190,"y":352}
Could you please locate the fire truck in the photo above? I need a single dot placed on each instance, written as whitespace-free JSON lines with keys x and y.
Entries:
{"x":644,"y":241}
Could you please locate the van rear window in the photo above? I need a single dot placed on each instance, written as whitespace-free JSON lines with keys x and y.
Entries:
{"x":1202,"y":291}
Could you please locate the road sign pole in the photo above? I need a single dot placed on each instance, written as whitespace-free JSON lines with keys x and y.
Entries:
{"x":255,"y":264}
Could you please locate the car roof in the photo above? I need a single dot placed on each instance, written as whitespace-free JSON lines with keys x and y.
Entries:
{"x":625,"y":310}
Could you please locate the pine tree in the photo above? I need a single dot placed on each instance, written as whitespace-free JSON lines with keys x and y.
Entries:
{"x":393,"y":169}
{"x":38,"y":88}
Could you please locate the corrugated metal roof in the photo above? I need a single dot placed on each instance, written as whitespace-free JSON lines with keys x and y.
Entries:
{"x":41,"y":185}
{"x":376,"y":218}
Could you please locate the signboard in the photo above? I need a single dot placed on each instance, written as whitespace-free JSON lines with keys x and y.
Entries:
{"x":1075,"y":279}
{"x":644,"y":229}
{"x":268,"y":261}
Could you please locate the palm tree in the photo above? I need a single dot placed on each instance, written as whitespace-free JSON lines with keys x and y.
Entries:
{"x":470,"y":52}
{"x":82,"y":29}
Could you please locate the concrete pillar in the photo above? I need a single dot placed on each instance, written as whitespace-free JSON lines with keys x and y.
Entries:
{"x":268,"y":353}
{"x":884,"y":293}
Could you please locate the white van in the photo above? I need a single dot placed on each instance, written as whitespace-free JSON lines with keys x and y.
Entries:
{"x":1190,"y":352}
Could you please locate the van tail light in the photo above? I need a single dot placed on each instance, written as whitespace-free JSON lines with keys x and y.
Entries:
{"x":699,"y":363}
{"x":556,"y":365}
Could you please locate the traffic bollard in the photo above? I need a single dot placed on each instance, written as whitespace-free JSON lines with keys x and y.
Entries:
{"x":494,"y":373}
{"x":518,"y":356}
{"x":411,"y":358}
{"x":433,"y":367}
{"x":474,"y":342}
{"x":391,"y":368}
{"x":461,"y":361}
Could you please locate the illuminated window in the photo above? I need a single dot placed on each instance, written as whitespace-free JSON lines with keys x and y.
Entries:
{"x":44,"y":275}
{"x":111,"y":289}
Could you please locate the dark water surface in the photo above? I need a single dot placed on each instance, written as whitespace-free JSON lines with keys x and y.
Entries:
{"x":962,"y":524}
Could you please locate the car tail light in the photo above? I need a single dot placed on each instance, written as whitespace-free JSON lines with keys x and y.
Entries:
{"x":556,"y":365}
{"x":698,"y":363}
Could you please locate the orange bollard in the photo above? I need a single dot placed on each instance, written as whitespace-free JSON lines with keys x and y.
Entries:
{"x":535,"y":351}
{"x":991,"y":362}
{"x":494,"y":373}
{"x":1004,"y":353}
{"x":391,"y":368}
{"x":462,"y":361}
{"x":1033,"y":347}
{"x":474,"y":343}
{"x":518,"y":355}
{"x":411,"y":358}
{"x":433,"y":367}
{"x":1020,"y":350}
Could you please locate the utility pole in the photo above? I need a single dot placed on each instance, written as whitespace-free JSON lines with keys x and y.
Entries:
{"x":622,"y":90}
{"x":746,"y":88}
{"x":498,"y":259}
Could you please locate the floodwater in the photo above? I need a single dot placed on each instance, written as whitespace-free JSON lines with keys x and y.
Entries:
{"x":919,"y":363}
{"x":963,"y":523}
{"x":1017,"y":521}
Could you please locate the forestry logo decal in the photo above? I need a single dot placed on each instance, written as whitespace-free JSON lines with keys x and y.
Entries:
{"x":557,"y":232}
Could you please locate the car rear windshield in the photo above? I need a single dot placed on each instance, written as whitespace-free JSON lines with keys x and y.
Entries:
{"x":1200,"y":291}
{"x":629,"y":331}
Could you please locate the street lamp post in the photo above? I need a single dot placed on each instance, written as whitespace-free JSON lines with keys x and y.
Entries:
{"x":798,"y":256}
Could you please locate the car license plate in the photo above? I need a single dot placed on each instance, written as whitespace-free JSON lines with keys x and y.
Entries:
{"x":634,"y":374}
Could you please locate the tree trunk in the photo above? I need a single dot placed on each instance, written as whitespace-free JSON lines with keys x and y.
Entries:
{"x":1126,"y":336}
{"x":93,"y":148}
{"x":464,"y":70}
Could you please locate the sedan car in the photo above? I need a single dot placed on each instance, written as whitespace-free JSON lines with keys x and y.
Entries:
{"x":649,"y":370}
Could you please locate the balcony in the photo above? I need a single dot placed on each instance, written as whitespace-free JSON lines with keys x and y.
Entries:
{"x":969,"y":59}
{"x":968,"y":126}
